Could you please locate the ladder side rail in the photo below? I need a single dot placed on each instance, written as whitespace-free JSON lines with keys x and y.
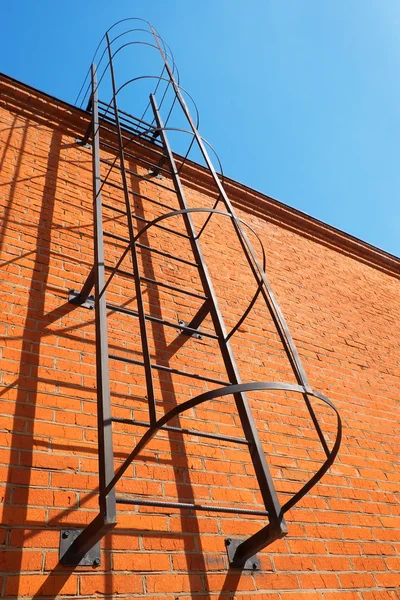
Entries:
{"x":261,"y":468}
{"x":133,"y":253}
{"x":106,"y":459}
{"x":107,"y":517}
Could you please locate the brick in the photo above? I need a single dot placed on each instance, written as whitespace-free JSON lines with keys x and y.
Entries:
{"x":369,"y":564}
{"x":118,"y":584}
{"x":19,"y":516}
{"x":34,"y":538}
{"x":306,"y":547}
{"x":378,"y":548}
{"x":276,"y":581}
{"x":350,"y":548}
{"x":42,"y":585}
{"x":393,"y":563}
{"x":356,"y":580}
{"x":392,"y":522}
{"x":293,"y":563}
{"x":318,"y":580}
{"x":333,"y":563}
{"x":173,"y":583}
{"x":198,"y":563}
{"x":17,"y":561}
{"x":140,"y":562}
{"x":186,"y":543}
{"x":388,"y":580}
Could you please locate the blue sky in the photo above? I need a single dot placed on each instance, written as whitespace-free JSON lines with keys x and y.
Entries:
{"x":299,"y":97}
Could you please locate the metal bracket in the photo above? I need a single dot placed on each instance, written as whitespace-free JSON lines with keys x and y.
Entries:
{"x":90,"y":559}
{"x":154,"y":173}
{"x":82,"y":143}
{"x":74,"y":297}
{"x":189,"y":333}
{"x":251,"y":564}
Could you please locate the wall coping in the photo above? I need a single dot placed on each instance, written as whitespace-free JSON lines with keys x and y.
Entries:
{"x":50,"y":111}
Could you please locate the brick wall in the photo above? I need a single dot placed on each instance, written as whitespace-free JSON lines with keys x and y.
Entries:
{"x":341,"y":300}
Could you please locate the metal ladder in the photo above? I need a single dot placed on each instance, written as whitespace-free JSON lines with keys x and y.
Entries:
{"x":121,"y":132}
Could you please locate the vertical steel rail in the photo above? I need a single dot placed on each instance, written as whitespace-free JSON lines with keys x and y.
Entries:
{"x":107,"y":517}
{"x":106,"y":459}
{"x":133,"y":251}
{"x":277,"y":527}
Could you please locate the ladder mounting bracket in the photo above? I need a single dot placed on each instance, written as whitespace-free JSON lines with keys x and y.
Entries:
{"x":183,"y":330}
{"x":90,"y":559}
{"x":82,"y":143}
{"x":154,"y":173}
{"x":251,"y":564}
{"x":74,"y":297}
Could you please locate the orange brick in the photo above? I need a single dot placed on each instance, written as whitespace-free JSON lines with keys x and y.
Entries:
{"x":276,"y":581}
{"x":306,"y":547}
{"x":388,"y":580}
{"x":51,"y":585}
{"x":293,"y":563}
{"x":118,"y":584}
{"x":140,"y":562}
{"x":17,"y":561}
{"x":356,"y":580}
{"x":369,"y":564}
{"x":173,"y":583}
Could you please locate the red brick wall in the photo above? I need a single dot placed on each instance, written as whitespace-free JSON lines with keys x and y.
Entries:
{"x":343,"y":541}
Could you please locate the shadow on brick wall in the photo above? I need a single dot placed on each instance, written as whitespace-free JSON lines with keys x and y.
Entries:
{"x":25,"y":384}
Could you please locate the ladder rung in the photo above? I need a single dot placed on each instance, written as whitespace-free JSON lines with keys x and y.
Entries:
{"x":213,"y":436}
{"x":148,"y":135}
{"x":191,"y":506}
{"x":178,"y":233}
{"x":138,"y":158}
{"x":156,"y":251}
{"x":108,"y":116}
{"x":114,"y":208}
{"x":161,"y":284}
{"x":170,"y":370}
{"x":144,"y":246}
{"x":141,"y":135}
{"x":166,"y":254}
{"x":114,"y":236}
{"x":136,"y":194}
{"x":122,"y":112}
{"x":134,"y":313}
{"x":142,"y":177}
{"x":173,"y":288}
